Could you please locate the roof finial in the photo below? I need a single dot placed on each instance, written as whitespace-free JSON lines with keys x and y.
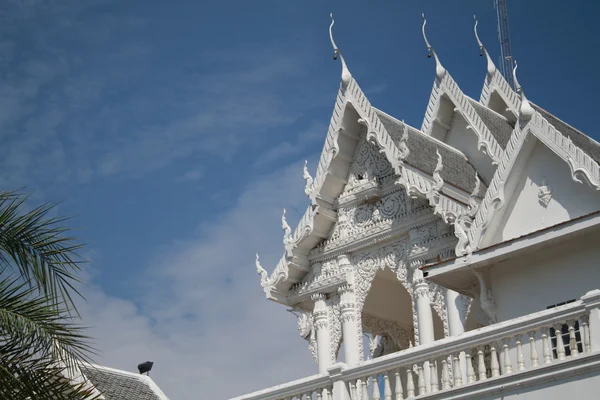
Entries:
{"x":346,"y":75}
{"x":526,"y":111}
{"x":439,"y":70}
{"x":491,"y":67}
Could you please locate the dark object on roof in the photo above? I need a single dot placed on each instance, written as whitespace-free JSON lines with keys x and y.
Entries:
{"x":499,"y":127}
{"x":115,"y":385}
{"x":580,"y":139}
{"x":145,"y":367}
{"x":456,"y":169}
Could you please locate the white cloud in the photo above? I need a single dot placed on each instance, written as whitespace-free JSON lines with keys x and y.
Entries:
{"x":204,"y":320}
{"x":191,"y":176}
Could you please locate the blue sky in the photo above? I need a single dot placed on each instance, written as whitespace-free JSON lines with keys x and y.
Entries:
{"x":174,"y":133}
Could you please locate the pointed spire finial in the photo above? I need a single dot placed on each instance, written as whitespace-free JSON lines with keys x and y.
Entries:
{"x":346,"y":75}
{"x":440,"y":71}
{"x":526,"y":111}
{"x":491,"y":67}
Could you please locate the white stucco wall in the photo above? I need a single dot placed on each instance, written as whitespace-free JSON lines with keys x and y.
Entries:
{"x":465,"y":140}
{"x":580,"y":387}
{"x":525,"y":213}
{"x":552,"y":275}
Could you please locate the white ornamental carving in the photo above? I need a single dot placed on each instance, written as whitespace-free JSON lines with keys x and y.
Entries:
{"x":398,"y":337}
{"x":368,"y":166}
{"x":335,"y":325}
{"x":545,"y":193}
{"x":306,"y":329}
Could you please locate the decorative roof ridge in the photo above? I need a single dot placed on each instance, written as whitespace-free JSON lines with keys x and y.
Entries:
{"x":535,"y":105}
{"x":142,"y":378}
{"x":428,"y":137}
{"x":486,"y":142}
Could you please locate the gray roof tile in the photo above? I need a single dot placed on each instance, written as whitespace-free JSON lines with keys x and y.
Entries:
{"x":499,"y":127}
{"x":119,"y":386}
{"x":456,"y":171}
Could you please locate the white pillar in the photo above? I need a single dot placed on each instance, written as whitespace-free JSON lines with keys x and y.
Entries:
{"x":455,"y":315}
{"x":423,"y":304}
{"x":349,"y":328}
{"x":321,"y":317}
{"x":348,"y":311}
{"x":592,"y":303}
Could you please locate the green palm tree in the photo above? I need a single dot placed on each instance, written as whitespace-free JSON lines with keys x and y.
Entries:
{"x":41,"y":343}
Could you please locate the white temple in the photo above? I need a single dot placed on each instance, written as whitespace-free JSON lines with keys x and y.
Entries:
{"x":467,"y":250}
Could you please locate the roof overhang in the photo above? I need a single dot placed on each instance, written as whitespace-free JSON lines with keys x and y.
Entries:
{"x":457,"y":274}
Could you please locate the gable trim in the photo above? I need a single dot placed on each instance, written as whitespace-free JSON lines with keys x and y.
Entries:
{"x":581,"y":166}
{"x":448,"y":86}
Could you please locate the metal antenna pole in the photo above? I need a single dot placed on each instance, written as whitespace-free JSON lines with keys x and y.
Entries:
{"x":506,"y":59}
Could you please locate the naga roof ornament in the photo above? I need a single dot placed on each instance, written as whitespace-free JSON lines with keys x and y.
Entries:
{"x":309,"y":180}
{"x":525,"y":111}
{"x":437,"y":172}
{"x":262,"y":272}
{"x":440,"y":71}
{"x":287,"y":230}
{"x":491,"y":67}
{"x":346,"y":75}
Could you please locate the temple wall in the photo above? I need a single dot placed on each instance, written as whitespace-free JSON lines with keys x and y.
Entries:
{"x":550,"y":276}
{"x":465,"y":140}
{"x":526,"y":213}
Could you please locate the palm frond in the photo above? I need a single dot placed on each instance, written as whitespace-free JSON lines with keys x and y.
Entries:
{"x":37,"y":247}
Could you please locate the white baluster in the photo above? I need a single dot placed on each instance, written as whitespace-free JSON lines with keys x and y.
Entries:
{"x":456,"y":372}
{"x":421,"y":378}
{"x":387,"y":390}
{"x":398,"y":391}
{"x":410,"y":384}
{"x":376,"y":392}
{"x":535,"y":361}
{"x":445,"y":375}
{"x":353,"y":394}
{"x":560,"y":345}
{"x":587,"y":347}
{"x":506,"y":356}
{"x":470,"y":370}
{"x":546,"y":352}
{"x":520,"y":357}
{"x":481,"y":364}
{"x":572,"y":339}
{"x":319,"y":395}
{"x":365,"y":389}
{"x":495,"y":364}
{"x":433,"y":376}
{"x":325,"y":394}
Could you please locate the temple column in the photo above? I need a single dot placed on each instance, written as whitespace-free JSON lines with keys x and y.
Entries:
{"x":321,"y":318}
{"x":348,"y":311}
{"x":455,"y":316}
{"x":454,"y":313}
{"x":423,"y":305}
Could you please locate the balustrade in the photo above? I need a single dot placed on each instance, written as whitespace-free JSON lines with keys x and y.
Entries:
{"x":506,"y":348}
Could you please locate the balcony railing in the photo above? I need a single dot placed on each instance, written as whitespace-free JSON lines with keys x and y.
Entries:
{"x":537,"y":341}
